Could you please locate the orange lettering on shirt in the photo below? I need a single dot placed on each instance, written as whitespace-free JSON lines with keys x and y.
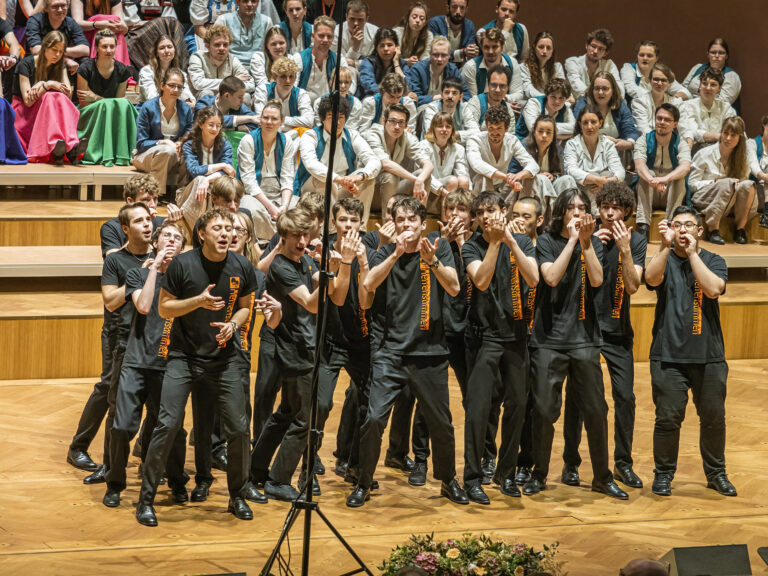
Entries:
{"x":697,"y":302}
{"x":618,"y":292}
{"x":426,"y":288}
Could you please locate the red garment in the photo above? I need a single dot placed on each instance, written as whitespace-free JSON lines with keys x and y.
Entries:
{"x":52,"y":118}
{"x":121,"y":50}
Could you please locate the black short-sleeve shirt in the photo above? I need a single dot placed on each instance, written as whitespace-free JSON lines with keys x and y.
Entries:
{"x":371,"y":240}
{"x":295,"y":335}
{"x":566,"y":316}
{"x":245,"y":343}
{"x":188,"y":275}
{"x":24,"y":68}
{"x":498,"y":313}
{"x":147,"y":331}
{"x":455,"y":307}
{"x":349,"y":326}
{"x":612,"y":300}
{"x":686,"y":328}
{"x":409,"y":311}
{"x":114,"y":272}
{"x":38,"y":26}
{"x":112,"y":236}
{"x":5,"y":28}
{"x":104,"y":87}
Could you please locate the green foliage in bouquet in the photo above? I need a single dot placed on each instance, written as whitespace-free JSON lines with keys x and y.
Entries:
{"x":473,"y":556}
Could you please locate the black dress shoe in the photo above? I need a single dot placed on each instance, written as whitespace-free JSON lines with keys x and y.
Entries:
{"x":722,"y":485}
{"x":570,"y":475}
{"x":341,"y":468}
{"x":643,"y":229}
{"x":534,"y":486}
{"x":315,"y":484}
{"x":418,"y":476}
{"x":282,"y":492}
{"x":488,"y":466}
{"x":146,"y":515}
{"x":58,"y":152}
{"x":252,"y":494}
{"x":80,"y":459}
{"x":764,"y":220}
{"x":319,"y":466}
{"x":454,"y":493}
{"x":240,"y":509}
{"x":610,"y":489}
{"x":179,"y":494}
{"x":98,"y":477}
{"x":624,"y":474}
{"x":358,"y":497}
{"x":200,"y":493}
{"x":477,"y":494}
{"x":523,"y":475}
{"x":219,"y":461}
{"x":509,"y":488}
{"x":740,"y":236}
{"x":111,"y":498}
{"x":715,"y":238}
{"x":404,"y":464}
{"x":662,"y":484}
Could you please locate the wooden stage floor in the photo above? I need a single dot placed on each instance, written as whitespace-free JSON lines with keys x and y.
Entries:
{"x":50,"y":523}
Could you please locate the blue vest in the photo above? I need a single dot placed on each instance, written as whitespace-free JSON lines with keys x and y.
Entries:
{"x":306,"y":33}
{"x":306,"y":62}
{"x":379,"y":107}
{"x":258,"y":154}
{"x":650,"y":143}
{"x":517,"y":35}
{"x":521,"y":128}
{"x":302,"y":174}
{"x":484,"y":107}
{"x":293,"y":99}
{"x":230,"y":4}
{"x":482,"y":73}
{"x":759,"y":141}
{"x":637,"y":78}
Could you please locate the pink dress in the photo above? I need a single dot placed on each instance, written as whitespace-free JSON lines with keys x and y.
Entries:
{"x":121,"y":50}
{"x":52,"y":118}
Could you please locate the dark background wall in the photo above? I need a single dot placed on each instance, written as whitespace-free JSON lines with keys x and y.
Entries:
{"x":683,"y":28}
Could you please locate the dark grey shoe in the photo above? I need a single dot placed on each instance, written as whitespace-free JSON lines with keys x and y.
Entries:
{"x":662,"y":484}
{"x":722,"y":485}
{"x":570,"y":475}
{"x":418,"y":476}
{"x":282,"y":492}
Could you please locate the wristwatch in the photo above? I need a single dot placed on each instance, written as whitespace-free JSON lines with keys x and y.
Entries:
{"x":436,"y":264}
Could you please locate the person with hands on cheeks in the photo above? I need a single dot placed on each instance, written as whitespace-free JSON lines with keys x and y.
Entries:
{"x":565,"y":340}
{"x":162,"y":122}
{"x":384,"y":59}
{"x":393,"y":145}
{"x":687,"y":350}
{"x":623,"y":263}
{"x":526,"y":216}
{"x":459,"y":30}
{"x":209,"y":293}
{"x":266,"y":160}
{"x":498,"y":262}
{"x":410,"y":278}
{"x":415,"y":37}
{"x":207,"y":156}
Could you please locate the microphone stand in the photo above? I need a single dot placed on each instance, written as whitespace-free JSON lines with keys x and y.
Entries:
{"x":304,"y":502}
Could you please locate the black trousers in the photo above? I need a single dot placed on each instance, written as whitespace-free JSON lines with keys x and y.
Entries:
{"x":357,"y":363}
{"x":525,"y":457}
{"x":550,"y":368}
{"x":96,"y":406}
{"x":138,"y":388}
{"x":209,"y":431}
{"x":493,"y":362}
{"x":114,"y":383}
{"x":427,"y":377}
{"x":670,"y":384}
{"x":348,"y":425}
{"x":267,"y":385}
{"x":620,"y":360}
{"x":285,"y":431}
{"x":222,"y":381}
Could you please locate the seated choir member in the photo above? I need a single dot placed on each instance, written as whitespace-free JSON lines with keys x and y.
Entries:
{"x":248,"y":28}
{"x":100,"y":15}
{"x":391,"y":91}
{"x":459,"y":30}
{"x":107,"y":118}
{"x":54,"y":17}
{"x":702,"y":117}
{"x":345,"y":85}
{"x":260,"y":67}
{"x":476,"y":72}
{"x":426,"y":77}
{"x":448,"y":157}
{"x":720,"y":183}
{"x":757,"y":148}
{"x":357,"y":42}
{"x":540,"y":66}
{"x":517,"y":44}
{"x":383,"y":60}
{"x":296,"y":28}
{"x":46,"y":118}
{"x":229,"y":101}
{"x":662,"y":161}
{"x":498,"y":85}
{"x":317,"y":62}
{"x":164,"y":57}
{"x":618,"y":124}
{"x":590,"y":157}
{"x":449,"y":102}
{"x":645,"y":104}
{"x":148,"y":20}
{"x":580,"y":70}
{"x":298,"y":114}
{"x":10,"y":55}
{"x":414,"y":34}
{"x":266,"y":160}
{"x":717,"y":59}
{"x":207,"y":69}
{"x":636,"y":76}
{"x":553,"y":103}
{"x":162,"y":122}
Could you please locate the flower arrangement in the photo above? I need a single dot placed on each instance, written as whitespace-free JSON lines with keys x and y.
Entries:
{"x":472,"y":556}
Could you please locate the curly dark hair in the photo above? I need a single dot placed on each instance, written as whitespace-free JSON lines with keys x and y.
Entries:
{"x":617,"y":193}
{"x":498,"y":115}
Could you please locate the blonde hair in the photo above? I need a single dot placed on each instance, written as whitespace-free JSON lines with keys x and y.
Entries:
{"x":218,"y":31}
{"x":441,"y":119}
{"x":283,"y":65}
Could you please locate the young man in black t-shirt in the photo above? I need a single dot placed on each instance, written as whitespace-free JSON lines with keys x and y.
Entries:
{"x":410,"y":278}
{"x":141,"y":375}
{"x":566,"y":339}
{"x":623,"y":264}
{"x":498,"y":262}
{"x":141,"y":188}
{"x":209,"y":294}
{"x":292,"y":280}
{"x":136,"y":222}
{"x":687,"y":351}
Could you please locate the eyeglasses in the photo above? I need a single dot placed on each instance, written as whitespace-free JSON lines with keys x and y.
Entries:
{"x":602,"y":88}
{"x":59,"y":7}
{"x":498,"y":86}
{"x":171,"y":235}
{"x":399,"y":123}
{"x":240,"y":231}
{"x":687,"y":225}
{"x":175,"y":86}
